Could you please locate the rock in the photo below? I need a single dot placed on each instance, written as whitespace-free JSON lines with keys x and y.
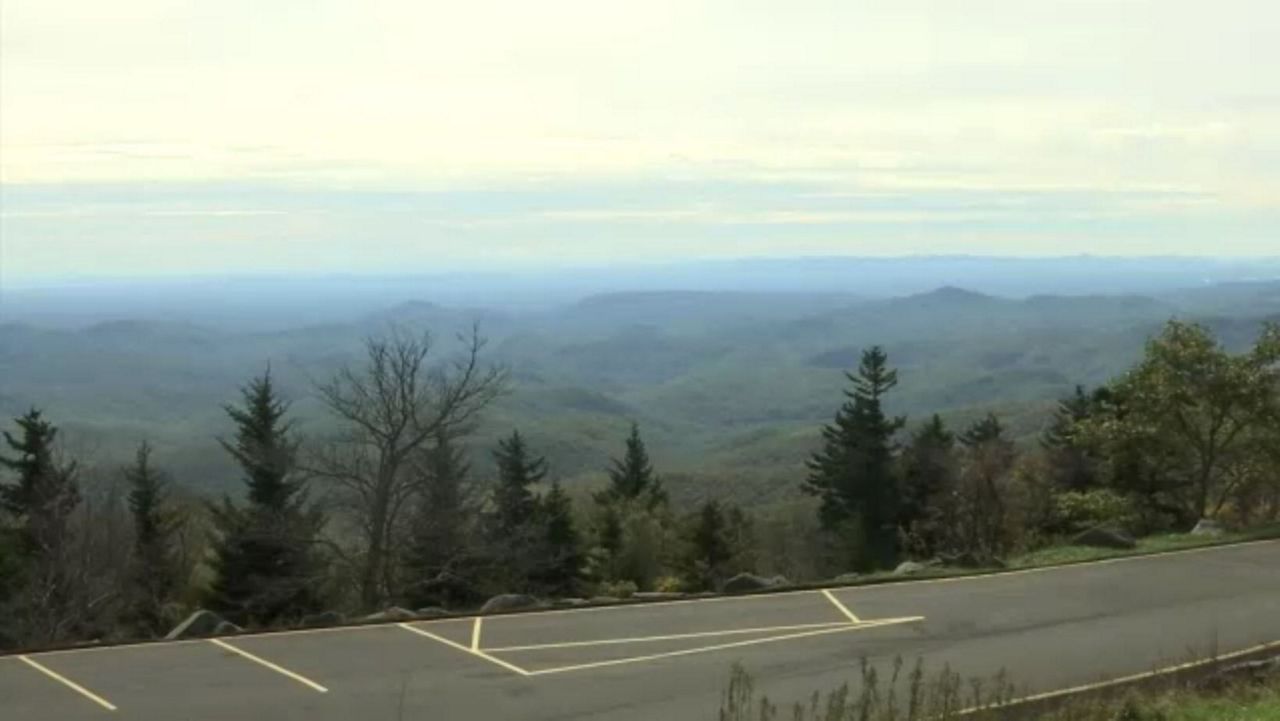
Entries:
{"x":847,"y":578}
{"x":657,"y":595}
{"x":779,"y":582}
{"x":200,"y":624}
{"x":509,"y":602}
{"x":226,"y":628}
{"x":569,"y":602}
{"x":431,"y":612}
{"x":744,"y":582}
{"x":908,"y":568}
{"x":395,"y":613}
{"x":1208,"y":527}
{"x":602,"y":600}
{"x":1103,"y":537}
{"x":324,"y":618}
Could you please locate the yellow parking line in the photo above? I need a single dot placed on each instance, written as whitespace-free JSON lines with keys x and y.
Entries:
{"x":69,"y":683}
{"x":475,"y":634}
{"x":840,"y":606}
{"x":842,"y":628}
{"x":274,"y":667}
{"x":474,"y":652}
{"x":670,"y":637}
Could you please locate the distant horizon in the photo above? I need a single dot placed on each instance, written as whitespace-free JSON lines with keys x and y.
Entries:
{"x":533,"y":271}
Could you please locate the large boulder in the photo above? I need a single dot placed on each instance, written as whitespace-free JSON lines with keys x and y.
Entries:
{"x":200,"y":624}
{"x":1104,"y":537}
{"x":431,"y":612}
{"x":909,"y":568}
{"x":1208,"y":527}
{"x":847,"y":578}
{"x":509,"y":602}
{"x":746,"y":582}
{"x":392,"y":614}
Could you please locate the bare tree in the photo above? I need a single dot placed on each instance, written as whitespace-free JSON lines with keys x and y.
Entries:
{"x":391,"y":408}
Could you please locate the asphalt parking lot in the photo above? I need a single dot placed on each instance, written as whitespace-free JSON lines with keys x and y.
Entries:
{"x":1049,"y":629}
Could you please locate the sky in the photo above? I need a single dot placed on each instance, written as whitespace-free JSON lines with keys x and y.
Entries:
{"x":174,"y":137}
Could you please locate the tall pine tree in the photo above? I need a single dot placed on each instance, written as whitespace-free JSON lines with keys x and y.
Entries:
{"x":708,"y":548}
{"x":264,"y":557}
{"x":632,"y":477}
{"x":518,"y":471}
{"x":153,"y":572}
{"x":560,"y":566}
{"x":853,"y":474}
{"x":1073,"y":465}
{"x":439,"y":530}
{"x":928,"y":473}
{"x":36,"y":569}
{"x":45,"y":491}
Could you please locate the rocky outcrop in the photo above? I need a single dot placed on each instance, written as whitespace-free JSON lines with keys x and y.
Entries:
{"x":392,"y":614}
{"x":909,"y":568}
{"x":1208,"y":527}
{"x":509,"y":602}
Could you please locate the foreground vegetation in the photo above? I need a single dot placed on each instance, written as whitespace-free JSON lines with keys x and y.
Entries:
{"x":911,"y":694}
{"x":384,"y":507}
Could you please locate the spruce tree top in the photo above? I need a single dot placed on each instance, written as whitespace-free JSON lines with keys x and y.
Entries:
{"x":633,"y":477}
{"x":263,"y":447}
{"x":34,"y":464}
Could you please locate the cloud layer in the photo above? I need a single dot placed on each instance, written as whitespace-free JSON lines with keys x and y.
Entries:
{"x":163,"y":135}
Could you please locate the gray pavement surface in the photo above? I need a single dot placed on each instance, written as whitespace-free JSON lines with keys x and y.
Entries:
{"x":1049,"y":629}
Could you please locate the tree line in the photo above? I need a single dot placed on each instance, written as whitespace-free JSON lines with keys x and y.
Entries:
{"x":391,"y":510}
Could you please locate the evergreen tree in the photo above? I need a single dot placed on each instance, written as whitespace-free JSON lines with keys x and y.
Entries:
{"x":1073,"y":465}
{"x":439,"y":530}
{"x":928,"y":472}
{"x":513,"y":500}
{"x":514,"y":539}
{"x":560,"y":567}
{"x":632,"y":478}
{"x":853,"y":473}
{"x":609,"y":538}
{"x":36,"y":574}
{"x":263,"y":552}
{"x":708,"y":547}
{"x":982,"y":431}
{"x":45,"y":492}
{"x":153,"y":573}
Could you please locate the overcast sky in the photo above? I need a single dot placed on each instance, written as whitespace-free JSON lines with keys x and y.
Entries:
{"x":175,"y":136}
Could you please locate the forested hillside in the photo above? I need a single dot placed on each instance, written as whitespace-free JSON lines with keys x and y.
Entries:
{"x":730,"y":386}
{"x":433,"y":457}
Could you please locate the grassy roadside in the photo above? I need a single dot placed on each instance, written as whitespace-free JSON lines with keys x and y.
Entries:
{"x":1249,"y":692}
{"x":1162,"y":543}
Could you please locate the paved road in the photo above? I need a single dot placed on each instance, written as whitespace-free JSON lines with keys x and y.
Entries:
{"x":1051,"y":629}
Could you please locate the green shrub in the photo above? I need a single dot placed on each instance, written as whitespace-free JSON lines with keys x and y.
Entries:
{"x":1080,"y":510}
{"x":617,"y":589}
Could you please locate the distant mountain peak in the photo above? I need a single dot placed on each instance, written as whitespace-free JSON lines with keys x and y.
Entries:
{"x":952,"y":294}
